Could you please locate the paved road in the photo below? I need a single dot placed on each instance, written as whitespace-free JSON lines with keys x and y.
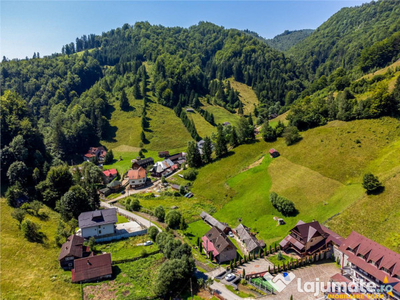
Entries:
{"x":146,"y":223}
{"x":224,"y":292}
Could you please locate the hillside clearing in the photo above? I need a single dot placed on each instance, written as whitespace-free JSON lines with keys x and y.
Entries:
{"x":246,"y":95}
{"x":31,"y":270}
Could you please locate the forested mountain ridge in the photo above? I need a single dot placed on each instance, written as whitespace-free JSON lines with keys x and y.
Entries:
{"x":339,"y":41}
{"x":285,"y":40}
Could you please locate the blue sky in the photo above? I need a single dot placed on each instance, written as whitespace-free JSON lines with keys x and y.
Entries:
{"x":44,"y":26}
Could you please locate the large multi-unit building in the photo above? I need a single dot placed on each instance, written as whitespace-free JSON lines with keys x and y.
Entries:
{"x":367,"y":262}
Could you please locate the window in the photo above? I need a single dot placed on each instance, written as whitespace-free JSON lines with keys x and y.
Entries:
{"x":99,"y":231}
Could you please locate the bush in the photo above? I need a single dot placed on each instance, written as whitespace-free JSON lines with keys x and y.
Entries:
{"x":283,"y":205}
{"x":173,"y":219}
{"x":152,"y":232}
{"x":159,"y":212}
{"x":292,"y":135}
{"x":190,"y":174}
{"x":31,"y":231}
{"x":371,"y":183}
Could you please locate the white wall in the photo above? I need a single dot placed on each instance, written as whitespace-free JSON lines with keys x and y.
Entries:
{"x":98,"y":230}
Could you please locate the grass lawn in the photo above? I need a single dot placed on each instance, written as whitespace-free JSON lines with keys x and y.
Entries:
{"x":202,"y":126}
{"x":246,"y":95}
{"x":238,"y":293}
{"x":134,"y":280}
{"x":31,"y":270}
{"x":221,"y":115}
{"x":127,"y":248}
{"x":196,"y":230}
{"x":274,"y":259}
{"x":121,"y":219}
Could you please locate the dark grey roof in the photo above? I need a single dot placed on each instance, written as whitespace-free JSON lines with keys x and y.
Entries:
{"x":212,"y":221}
{"x":250,"y":240}
{"x":144,"y":161}
{"x":97,"y":217}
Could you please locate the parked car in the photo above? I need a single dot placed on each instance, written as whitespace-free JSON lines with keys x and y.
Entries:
{"x":180,"y":175}
{"x":230,"y":277}
{"x":148,"y":243}
{"x":189,"y":195}
{"x":230,"y":234}
{"x":186,"y":195}
{"x":123,"y":192}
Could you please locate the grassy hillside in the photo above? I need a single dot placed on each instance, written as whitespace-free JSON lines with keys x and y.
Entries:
{"x":31,"y":270}
{"x":247,"y":96}
{"x":322,"y":175}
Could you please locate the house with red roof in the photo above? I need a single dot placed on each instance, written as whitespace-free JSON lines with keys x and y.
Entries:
{"x":109,"y":175}
{"x":216,"y":242}
{"x":99,"y":152}
{"x":365,"y":261}
{"x":137,"y":177}
{"x":92,"y":268}
{"x":309,"y":238}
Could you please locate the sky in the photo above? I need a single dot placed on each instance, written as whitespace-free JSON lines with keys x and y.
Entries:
{"x":45,"y":26}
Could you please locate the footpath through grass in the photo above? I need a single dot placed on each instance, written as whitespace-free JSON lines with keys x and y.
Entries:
{"x":31,"y":270}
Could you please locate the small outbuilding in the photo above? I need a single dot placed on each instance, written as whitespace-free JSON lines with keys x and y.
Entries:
{"x":92,"y":268}
{"x":273,"y":153}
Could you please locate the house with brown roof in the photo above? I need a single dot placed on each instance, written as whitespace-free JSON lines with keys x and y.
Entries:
{"x":92,"y":268}
{"x":163,"y":154}
{"x":72,"y":249}
{"x":137,"y":177}
{"x":309,"y":238}
{"x":144,"y":163}
{"x":363,"y":259}
{"x":248,"y":239}
{"x":99,"y":152}
{"x":216,"y":242}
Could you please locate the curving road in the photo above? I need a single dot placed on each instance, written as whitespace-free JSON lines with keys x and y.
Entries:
{"x":146,"y":223}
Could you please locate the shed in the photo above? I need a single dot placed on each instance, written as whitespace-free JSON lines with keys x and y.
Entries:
{"x":273,"y":153}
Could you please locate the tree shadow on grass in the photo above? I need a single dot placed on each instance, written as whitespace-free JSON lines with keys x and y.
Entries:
{"x":376,"y":191}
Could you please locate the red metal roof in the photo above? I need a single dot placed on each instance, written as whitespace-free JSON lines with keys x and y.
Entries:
{"x":357,"y":244}
{"x":339,"y":278}
{"x":272,"y":151}
{"x":91,"y":267}
{"x":111,"y":172}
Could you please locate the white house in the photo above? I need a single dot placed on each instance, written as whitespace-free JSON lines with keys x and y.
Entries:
{"x":137,"y":177}
{"x":98,"y":223}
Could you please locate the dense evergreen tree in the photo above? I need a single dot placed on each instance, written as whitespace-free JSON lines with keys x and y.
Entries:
{"x":207,"y":150}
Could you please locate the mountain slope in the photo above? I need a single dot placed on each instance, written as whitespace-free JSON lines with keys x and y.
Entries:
{"x":288,"y":39}
{"x":339,"y":41}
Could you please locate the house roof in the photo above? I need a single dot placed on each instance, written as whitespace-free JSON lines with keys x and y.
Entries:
{"x":339,"y":278}
{"x":177,"y":156}
{"x":137,"y":174}
{"x":291,"y":240}
{"x":309,"y":230}
{"x":148,"y":160}
{"x":111,"y":172}
{"x":72,"y":247}
{"x":333,"y":236}
{"x":163,"y":153}
{"x":249,"y":239}
{"x":114,"y":183}
{"x":212,"y":221}
{"x":91,"y":267}
{"x":97,"y":217}
{"x":216,"y":241}
{"x":226,"y":123}
{"x":175,"y":186}
{"x":160,"y":166}
{"x":357,"y":244}
{"x":272,"y":150}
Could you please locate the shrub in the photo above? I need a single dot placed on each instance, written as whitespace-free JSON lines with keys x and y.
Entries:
{"x":371,"y":183}
{"x":159,"y":212}
{"x":190,"y":174}
{"x":152,"y":232}
{"x":31,"y":231}
{"x":283,"y":205}
{"x":292,"y":135}
{"x":173,"y":219}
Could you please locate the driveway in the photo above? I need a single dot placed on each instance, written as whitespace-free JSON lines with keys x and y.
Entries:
{"x":222,"y":291}
{"x":146,"y":223}
{"x":254,"y":266}
{"x":322,"y":271}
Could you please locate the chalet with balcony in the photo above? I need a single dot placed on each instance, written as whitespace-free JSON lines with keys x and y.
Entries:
{"x":309,"y":238}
